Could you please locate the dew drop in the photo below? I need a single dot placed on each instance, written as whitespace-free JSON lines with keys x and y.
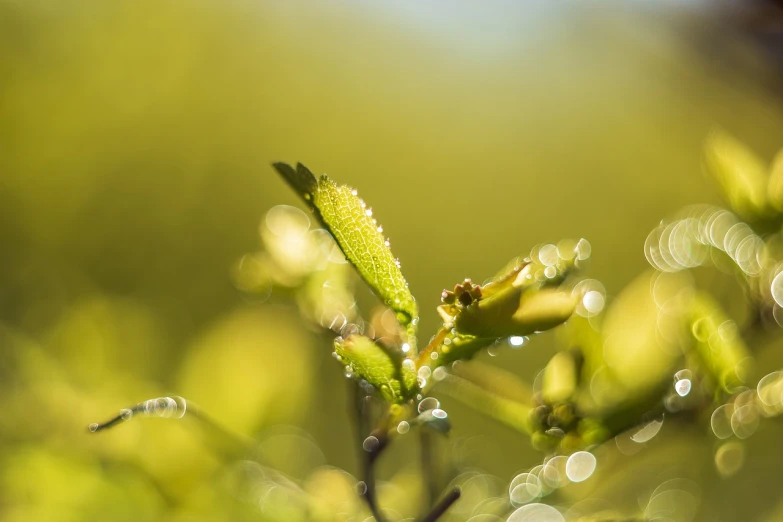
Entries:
{"x":593,"y":301}
{"x":370,"y":444}
{"x":580,"y":466}
{"x":777,"y":289}
{"x":126,"y":414}
{"x":745,"y":421}
{"x":649,"y":431}
{"x":403,"y":428}
{"x":430,"y":403}
{"x":721,"y":421}
{"x":93,"y":427}
{"x":729,"y":458}
{"x":583,"y":249}
{"x":517,"y":341}
{"x":547,"y":254}
{"x":770,"y":389}
{"x":525,"y":488}
{"x":683,"y":387}
{"x":553,"y":472}
{"x":682,"y":382}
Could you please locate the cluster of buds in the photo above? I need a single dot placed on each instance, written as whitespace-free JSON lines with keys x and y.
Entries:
{"x":463,"y":295}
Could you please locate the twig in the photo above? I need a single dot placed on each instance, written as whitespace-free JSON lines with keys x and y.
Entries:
{"x":427,"y":465}
{"x":441,"y":507}
{"x":370,"y":447}
{"x":176,"y":408}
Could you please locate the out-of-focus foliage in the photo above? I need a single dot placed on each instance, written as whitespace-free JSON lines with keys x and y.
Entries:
{"x":135,"y":140}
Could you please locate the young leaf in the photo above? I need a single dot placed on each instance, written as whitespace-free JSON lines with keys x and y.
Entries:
{"x":372,"y":363}
{"x":350,"y":221}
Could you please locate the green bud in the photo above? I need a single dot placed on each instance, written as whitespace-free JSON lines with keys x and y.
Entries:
{"x":541,"y":441}
{"x":515,"y":311}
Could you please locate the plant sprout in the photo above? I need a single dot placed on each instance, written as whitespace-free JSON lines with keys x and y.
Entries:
{"x":662,"y":347}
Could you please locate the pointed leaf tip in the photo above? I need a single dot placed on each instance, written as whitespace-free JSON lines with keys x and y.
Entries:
{"x":301,"y":180}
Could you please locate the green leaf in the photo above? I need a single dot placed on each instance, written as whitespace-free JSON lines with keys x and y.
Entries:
{"x":740,"y":174}
{"x":369,"y":361}
{"x":511,"y":413}
{"x":719,"y":346}
{"x":560,"y":378}
{"x":358,"y":234}
{"x":775,"y":187}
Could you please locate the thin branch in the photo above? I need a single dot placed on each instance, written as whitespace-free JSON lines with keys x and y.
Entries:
{"x":441,"y":507}
{"x":176,"y":408}
{"x":432,"y":346}
{"x":370,"y":447}
{"x":427,"y":465}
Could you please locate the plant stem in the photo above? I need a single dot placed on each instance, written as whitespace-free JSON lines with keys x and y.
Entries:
{"x":435,"y":342}
{"x":221,"y":440}
{"x":367,"y":453}
{"x":427,"y":465}
{"x":441,"y":507}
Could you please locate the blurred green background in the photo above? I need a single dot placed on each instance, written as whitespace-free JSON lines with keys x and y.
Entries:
{"x":135,"y":143}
